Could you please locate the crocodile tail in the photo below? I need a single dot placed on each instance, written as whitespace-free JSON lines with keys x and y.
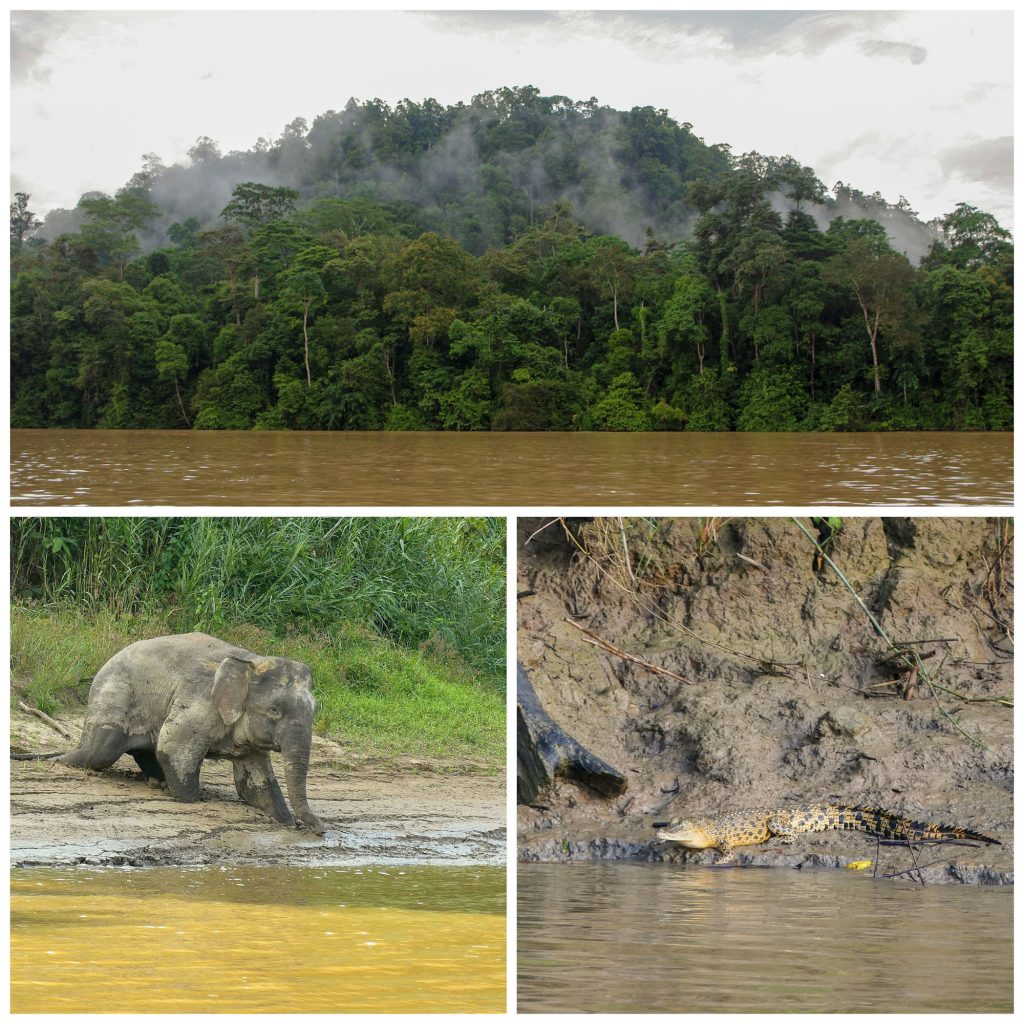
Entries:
{"x":888,"y":825}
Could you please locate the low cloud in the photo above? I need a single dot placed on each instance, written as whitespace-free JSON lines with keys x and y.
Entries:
{"x":989,"y":161}
{"x":894,"y":51}
{"x":662,"y":33}
{"x":32,"y":33}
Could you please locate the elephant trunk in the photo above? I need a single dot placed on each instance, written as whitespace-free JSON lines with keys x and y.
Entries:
{"x":295,"y":747}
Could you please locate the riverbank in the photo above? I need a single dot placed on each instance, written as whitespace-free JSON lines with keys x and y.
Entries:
{"x":405,"y":811}
{"x":782,"y":692}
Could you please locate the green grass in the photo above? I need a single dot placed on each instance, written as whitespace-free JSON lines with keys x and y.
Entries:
{"x":378,"y":699}
{"x":436,"y":583}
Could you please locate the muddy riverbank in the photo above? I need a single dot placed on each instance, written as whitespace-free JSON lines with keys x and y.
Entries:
{"x":782,"y":692}
{"x":411,"y":812}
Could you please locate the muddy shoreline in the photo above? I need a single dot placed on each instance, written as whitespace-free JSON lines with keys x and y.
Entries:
{"x":412,"y":812}
{"x":787,"y":698}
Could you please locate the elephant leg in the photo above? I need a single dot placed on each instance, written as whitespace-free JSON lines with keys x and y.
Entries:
{"x":179,"y":755}
{"x":99,"y":749}
{"x":148,"y":764}
{"x":257,"y":786}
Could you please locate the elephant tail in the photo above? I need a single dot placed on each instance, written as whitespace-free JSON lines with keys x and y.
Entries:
{"x":36,"y":757}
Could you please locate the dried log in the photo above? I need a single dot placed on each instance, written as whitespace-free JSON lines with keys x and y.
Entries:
{"x":44,"y":717}
{"x":545,"y":751}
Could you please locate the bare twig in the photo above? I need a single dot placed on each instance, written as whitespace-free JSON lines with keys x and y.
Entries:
{"x":652,"y":608}
{"x":625,"y":551}
{"x":1006,"y":542}
{"x":543,"y":528}
{"x":754,"y":562}
{"x":44,"y":717}
{"x":922,"y":672}
{"x":608,"y":648}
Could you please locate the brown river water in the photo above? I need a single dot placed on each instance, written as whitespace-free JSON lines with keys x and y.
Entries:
{"x":258,"y":940}
{"x":167,"y":467}
{"x":652,"y":938}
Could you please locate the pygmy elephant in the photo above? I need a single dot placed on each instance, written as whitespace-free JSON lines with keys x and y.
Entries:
{"x":174,"y":700}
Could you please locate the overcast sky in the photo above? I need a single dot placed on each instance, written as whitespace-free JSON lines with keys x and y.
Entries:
{"x":907,"y":103}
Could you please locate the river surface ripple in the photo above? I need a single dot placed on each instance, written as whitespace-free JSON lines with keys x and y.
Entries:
{"x":250,"y":939}
{"x":652,"y":938}
{"x":251,"y":468}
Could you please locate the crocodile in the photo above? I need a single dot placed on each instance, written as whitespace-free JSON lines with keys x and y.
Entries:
{"x":750,"y":828}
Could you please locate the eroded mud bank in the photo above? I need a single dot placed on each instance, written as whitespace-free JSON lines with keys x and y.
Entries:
{"x":789,"y":696}
{"x":413,"y":813}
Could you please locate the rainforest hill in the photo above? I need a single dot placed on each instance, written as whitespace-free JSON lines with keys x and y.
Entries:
{"x":520,"y":262}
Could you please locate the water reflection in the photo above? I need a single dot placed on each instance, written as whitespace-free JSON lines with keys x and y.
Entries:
{"x":102,"y":467}
{"x":665,"y":939}
{"x":250,"y":940}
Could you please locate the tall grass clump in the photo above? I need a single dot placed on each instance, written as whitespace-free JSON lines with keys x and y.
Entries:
{"x":432,"y":583}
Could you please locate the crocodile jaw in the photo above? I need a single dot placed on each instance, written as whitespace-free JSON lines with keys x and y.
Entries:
{"x":686,"y":834}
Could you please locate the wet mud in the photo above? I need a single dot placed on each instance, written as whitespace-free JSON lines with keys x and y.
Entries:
{"x":414,"y":812}
{"x":781,"y":691}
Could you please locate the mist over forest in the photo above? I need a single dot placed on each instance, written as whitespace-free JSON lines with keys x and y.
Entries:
{"x":479,"y":172}
{"x":515,"y":262}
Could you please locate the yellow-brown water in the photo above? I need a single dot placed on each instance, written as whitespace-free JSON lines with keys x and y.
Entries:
{"x":258,"y":940}
{"x":153,"y":467}
{"x":652,"y":938}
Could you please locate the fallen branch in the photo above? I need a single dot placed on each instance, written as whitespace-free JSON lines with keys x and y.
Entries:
{"x":44,"y":717}
{"x":604,"y":645}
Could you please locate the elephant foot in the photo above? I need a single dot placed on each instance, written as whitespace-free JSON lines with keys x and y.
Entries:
{"x":311,"y":821}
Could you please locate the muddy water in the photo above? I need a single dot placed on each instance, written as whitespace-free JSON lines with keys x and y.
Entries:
{"x":153,"y":467}
{"x":662,"y":938}
{"x":258,"y":940}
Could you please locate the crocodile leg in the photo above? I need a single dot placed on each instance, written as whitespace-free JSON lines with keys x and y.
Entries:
{"x":783,"y":831}
{"x":726,"y":854}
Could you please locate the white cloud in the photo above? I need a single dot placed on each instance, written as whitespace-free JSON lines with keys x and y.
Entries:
{"x":94,"y":91}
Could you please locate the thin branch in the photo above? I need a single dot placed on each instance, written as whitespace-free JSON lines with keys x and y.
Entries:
{"x":608,"y":648}
{"x":625,"y":551}
{"x":652,"y":609}
{"x":543,"y":528}
{"x":922,"y":672}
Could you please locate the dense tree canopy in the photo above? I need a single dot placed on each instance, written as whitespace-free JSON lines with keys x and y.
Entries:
{"x":464,"y":268}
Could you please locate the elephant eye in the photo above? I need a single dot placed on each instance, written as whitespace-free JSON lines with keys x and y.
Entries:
{"x":273,"y":711}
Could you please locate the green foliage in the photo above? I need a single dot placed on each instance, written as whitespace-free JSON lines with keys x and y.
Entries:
{"x":771,"y":400}
{"x":377,"y":698}
{"x":705,"y":404}
{"x":435,"y":584}
{"x":844,"y":412}
{"x":253,"y":204}
{"x":622,"y":408}
{"x":491,"y":303}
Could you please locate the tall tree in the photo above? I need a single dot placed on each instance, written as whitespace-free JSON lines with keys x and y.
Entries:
{"x":23,"y":221}
{"x":253,"y":204}
{"x":114,"y":224}
{"x":882,"y":282}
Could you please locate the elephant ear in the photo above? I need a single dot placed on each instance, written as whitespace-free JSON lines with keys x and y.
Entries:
{"x":231,"y":687}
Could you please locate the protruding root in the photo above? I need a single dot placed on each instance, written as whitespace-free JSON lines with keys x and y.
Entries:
{"x":545,"y":751}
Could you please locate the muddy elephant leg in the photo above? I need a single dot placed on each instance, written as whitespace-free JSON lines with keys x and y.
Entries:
{"x":148,"y":764}
{"x":256,"y":785}
{"x":180,"y":757}
{"x":100,"y":748}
